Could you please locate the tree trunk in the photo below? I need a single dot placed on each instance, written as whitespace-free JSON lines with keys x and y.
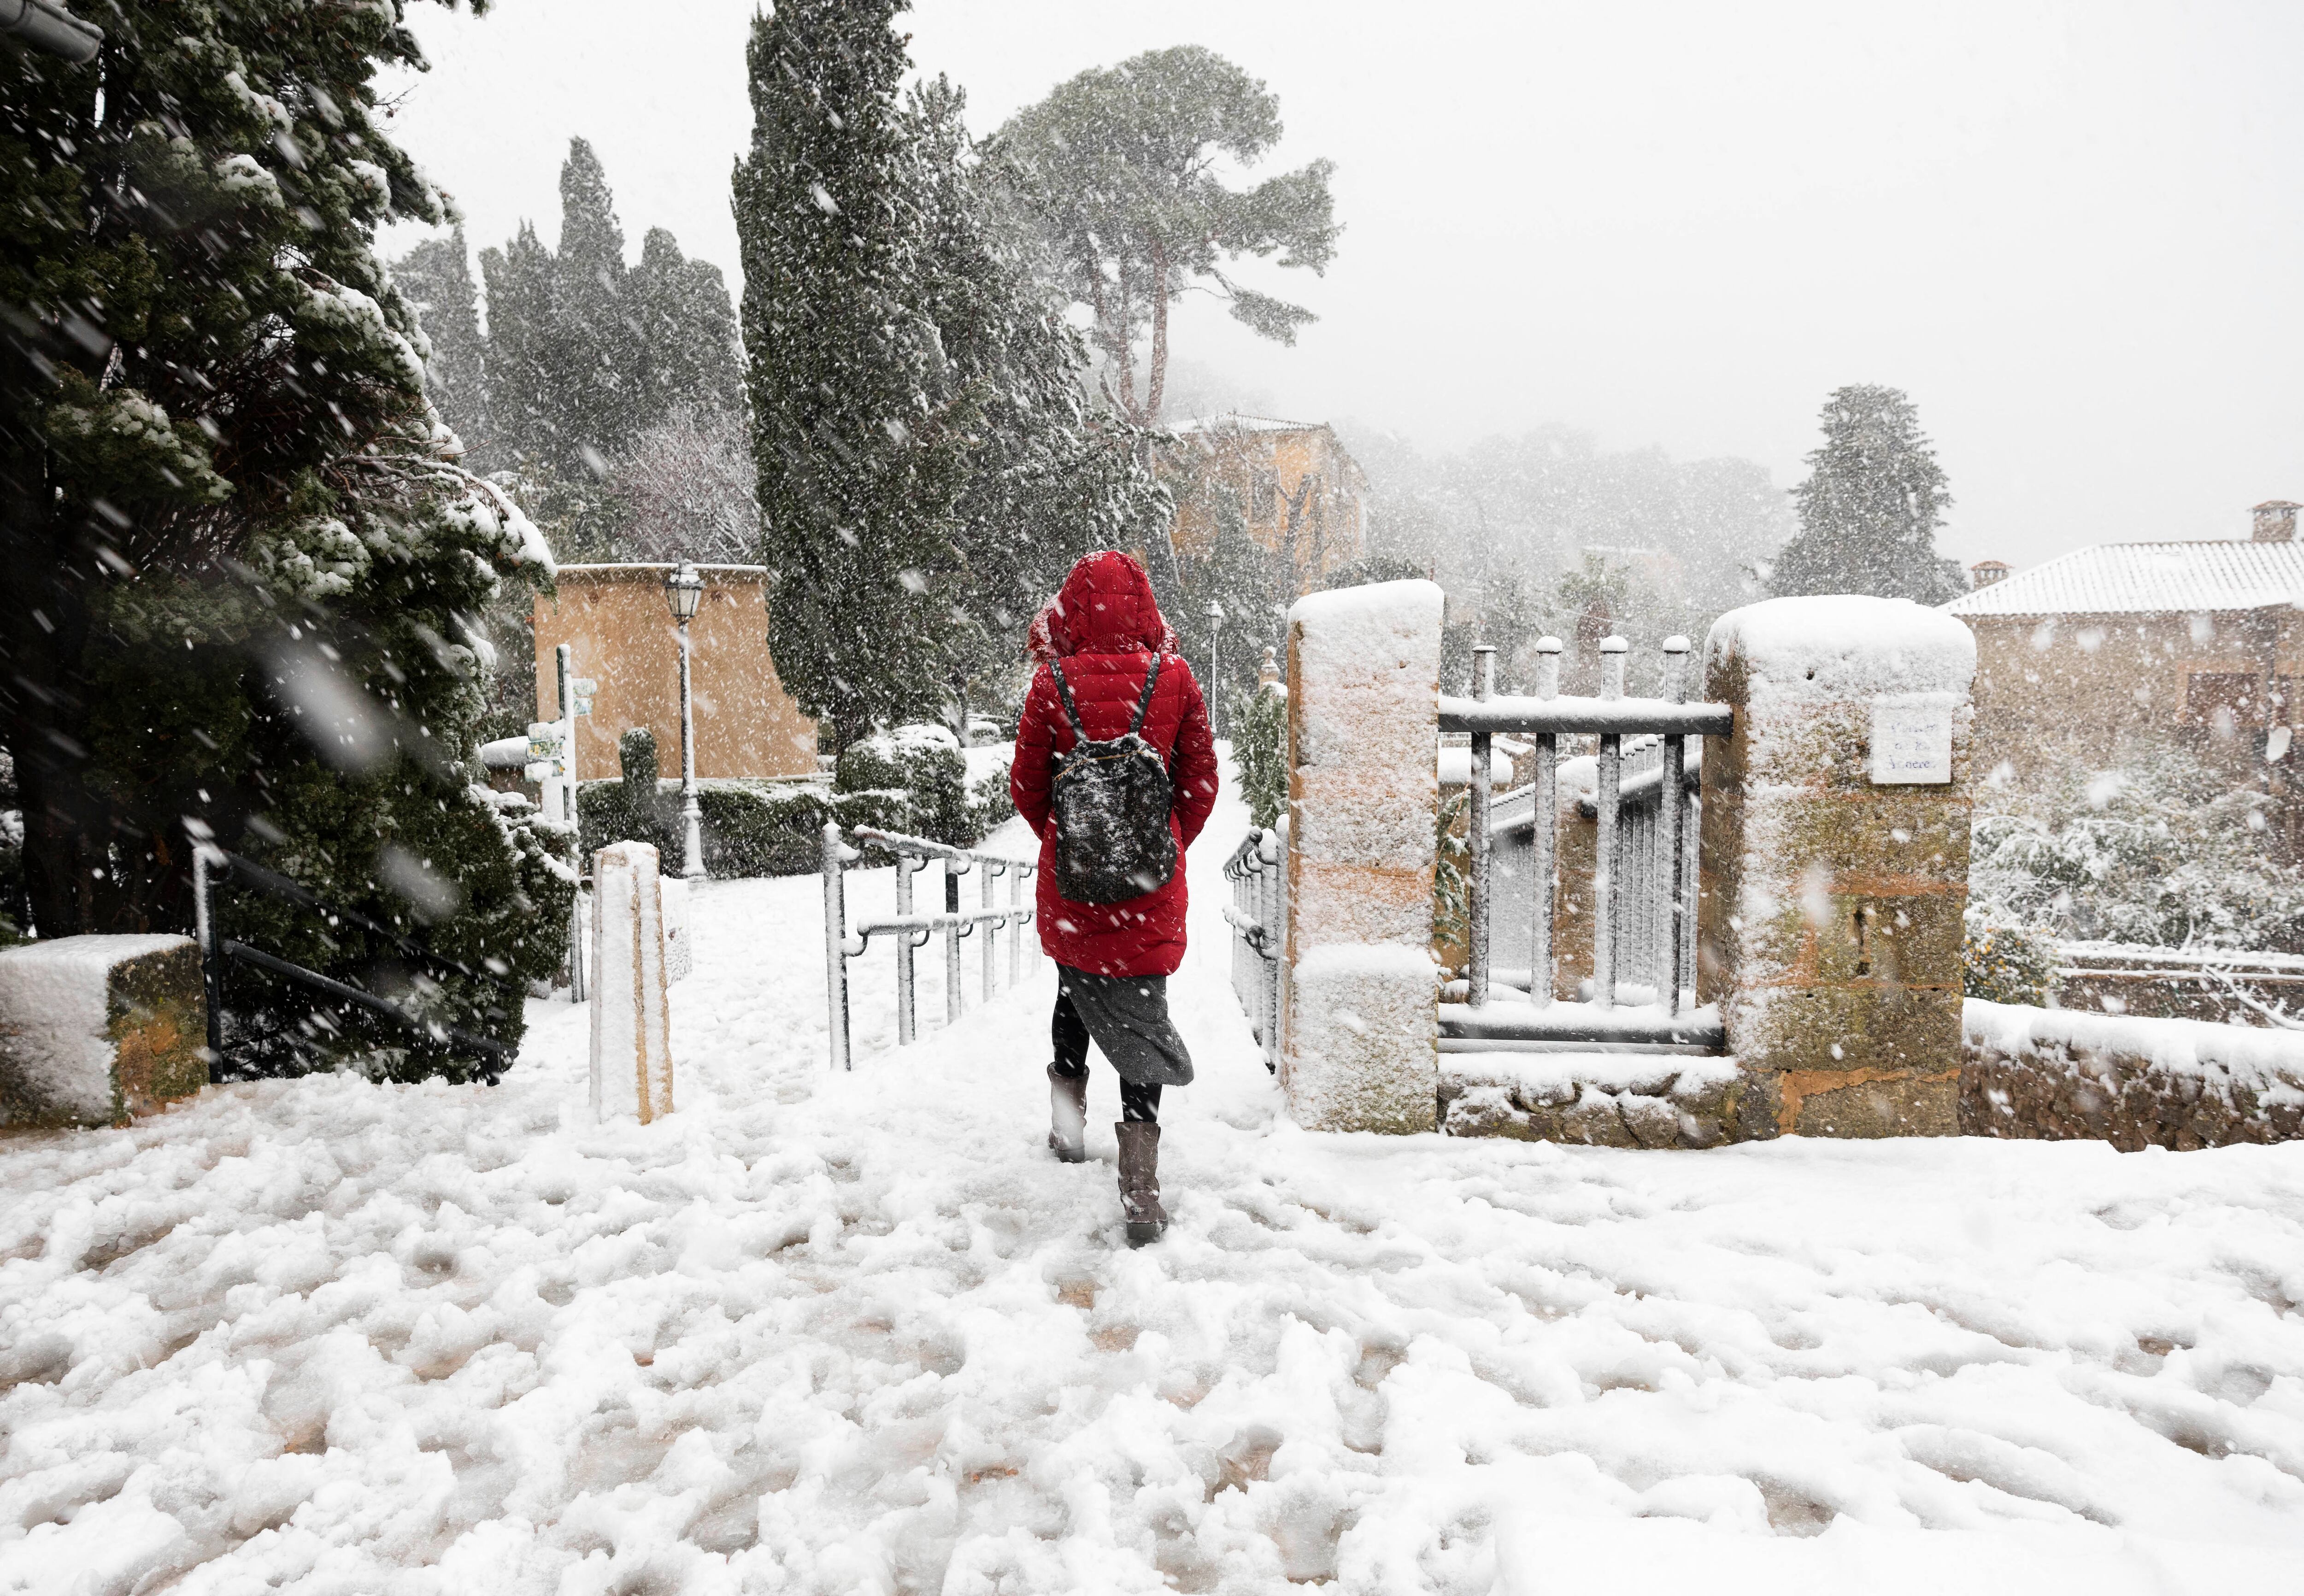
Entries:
{"x":1157,"y":379}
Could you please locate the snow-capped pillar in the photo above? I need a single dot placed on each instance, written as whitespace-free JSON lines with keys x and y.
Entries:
{"x":1834,"y":866}
{"x":1359,"y":1037}
{"x":632,"y":1027}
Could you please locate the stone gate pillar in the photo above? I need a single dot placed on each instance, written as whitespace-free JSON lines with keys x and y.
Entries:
{"x":1360,"y":1039}
{"x":1835,"y":862}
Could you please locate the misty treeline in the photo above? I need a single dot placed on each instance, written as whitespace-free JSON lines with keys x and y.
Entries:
{"x":608,"y":397}
{"x":247,"y":562}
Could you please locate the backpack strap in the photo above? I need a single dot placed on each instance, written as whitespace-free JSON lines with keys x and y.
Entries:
{"x":1143,"y":702}
{"x":1064,"y":691}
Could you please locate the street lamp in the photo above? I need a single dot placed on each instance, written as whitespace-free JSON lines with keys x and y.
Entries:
{"x":683,"y":589}
{"x":1215,"y":692}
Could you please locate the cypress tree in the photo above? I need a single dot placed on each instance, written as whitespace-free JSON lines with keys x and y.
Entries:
{"x":686,"y":334}
{"x":594,"y":345}
{"x":1871,"y":505}
{"x":246,"y":563}
{"x":858,"y":431}
{"x":437,"y":278}
{"x":524,"y":396}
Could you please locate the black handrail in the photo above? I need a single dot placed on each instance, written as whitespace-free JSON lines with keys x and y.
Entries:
{"x":222,"y":948}
{"x":366,"y":999}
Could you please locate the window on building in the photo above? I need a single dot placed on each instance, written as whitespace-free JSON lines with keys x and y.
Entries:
{"x":2209,"y":694}
{"x":1263,"y":496}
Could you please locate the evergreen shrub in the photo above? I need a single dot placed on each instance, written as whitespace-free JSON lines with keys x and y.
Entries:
{"x":2004,"y":962}
{"x":1260,"y":748}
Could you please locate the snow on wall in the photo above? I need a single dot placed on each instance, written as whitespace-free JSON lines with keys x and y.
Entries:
{"x":2063,"y":1074}
{"x":1358,"y":1030}
{"x":57,"y":1049}
{"x":632,"y":1032}
{"x":1456,"y":768}
{"x":1830,"y":647}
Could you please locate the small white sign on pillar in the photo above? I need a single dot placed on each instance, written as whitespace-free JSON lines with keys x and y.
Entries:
{"x":1911,"y":739}
{"x":632,"y":1023}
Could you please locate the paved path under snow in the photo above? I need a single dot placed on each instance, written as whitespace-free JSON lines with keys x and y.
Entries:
{"x":862,"y":1335}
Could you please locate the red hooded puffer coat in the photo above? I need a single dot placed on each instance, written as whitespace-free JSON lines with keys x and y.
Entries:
{"x":1104,"y":626}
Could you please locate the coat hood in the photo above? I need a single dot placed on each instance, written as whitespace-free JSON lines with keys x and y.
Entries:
{"x":1105,"y":606}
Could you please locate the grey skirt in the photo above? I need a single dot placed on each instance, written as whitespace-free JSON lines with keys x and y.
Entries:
{"x":1127,"y":1018}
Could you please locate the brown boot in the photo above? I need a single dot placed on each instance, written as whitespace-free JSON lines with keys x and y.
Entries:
{"x":1068,"y":1116}
{"x":1140,"y":1181}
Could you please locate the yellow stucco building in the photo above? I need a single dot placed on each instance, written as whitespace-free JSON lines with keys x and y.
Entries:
{"x":622,"y":632}
{"x":1303,"y":497}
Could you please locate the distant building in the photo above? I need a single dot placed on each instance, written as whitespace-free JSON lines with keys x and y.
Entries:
{"x":622,"y":632}
{"x":1303,"y":498}
{"x":2201,"y":643}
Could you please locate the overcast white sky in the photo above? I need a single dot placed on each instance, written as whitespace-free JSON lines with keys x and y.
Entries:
{"x":2071,"y":231}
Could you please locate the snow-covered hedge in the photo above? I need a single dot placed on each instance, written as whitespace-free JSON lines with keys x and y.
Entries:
{"x":751,"y":828}
{"x":2066,"y":1075}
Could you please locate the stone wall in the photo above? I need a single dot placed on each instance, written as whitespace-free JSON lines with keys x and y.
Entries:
{"x":1602,"y":1100}
{"x":2062,"y":1075}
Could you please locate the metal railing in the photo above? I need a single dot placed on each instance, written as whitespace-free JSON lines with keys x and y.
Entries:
{"x":1257,"y":914}
{"x":1643,"y":882}
{"x":911,"y":931}
{"x":214,"y":867}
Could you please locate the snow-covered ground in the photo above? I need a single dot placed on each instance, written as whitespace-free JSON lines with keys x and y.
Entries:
{"x":861,"y":1334}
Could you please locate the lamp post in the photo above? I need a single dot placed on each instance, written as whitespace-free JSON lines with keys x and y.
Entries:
{"x":683,"y":589}
{"x":1215,"y":693}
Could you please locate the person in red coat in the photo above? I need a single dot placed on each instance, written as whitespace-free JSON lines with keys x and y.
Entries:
{"x":1113,"y":960}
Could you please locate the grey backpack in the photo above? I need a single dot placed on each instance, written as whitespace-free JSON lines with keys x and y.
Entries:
{"x":1111,"y":802}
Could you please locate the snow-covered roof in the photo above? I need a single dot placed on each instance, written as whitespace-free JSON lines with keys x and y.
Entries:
{"x":1233,"y":421}
{"x":2128,"y":577}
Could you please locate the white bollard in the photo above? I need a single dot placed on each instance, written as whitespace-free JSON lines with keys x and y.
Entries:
{"x":632,"y":1026}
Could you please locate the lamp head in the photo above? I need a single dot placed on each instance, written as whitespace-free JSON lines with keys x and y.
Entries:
{"x":683,"y":590}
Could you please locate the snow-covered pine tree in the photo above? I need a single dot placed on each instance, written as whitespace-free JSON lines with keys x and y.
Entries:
{"x":859,"y":435}
{"x":1044,"y":483}
{"x":1871,"y":505}
{"x":435,"y":277}
{"x":244,"y":559}
{"x":1126,"y":177}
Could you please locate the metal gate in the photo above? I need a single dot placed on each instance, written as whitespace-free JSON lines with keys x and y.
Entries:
{"x":1640,"y":902}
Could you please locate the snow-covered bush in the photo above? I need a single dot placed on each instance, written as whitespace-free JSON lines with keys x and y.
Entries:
{"x":2002,"y":961}
{"x":2163,"y":851}
{"x":990,"y":805}
{"x":926,"y":763}
{"x":1451,"y":874}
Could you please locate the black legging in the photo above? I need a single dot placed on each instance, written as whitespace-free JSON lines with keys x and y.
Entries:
{"x":1069,"y":1032}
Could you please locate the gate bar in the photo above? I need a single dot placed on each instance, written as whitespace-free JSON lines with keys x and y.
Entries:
{"x":1476,"y":821}
{"x":1671,"y":810}
{"x":1543,"y":814}
{"x":1604,"y":874}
